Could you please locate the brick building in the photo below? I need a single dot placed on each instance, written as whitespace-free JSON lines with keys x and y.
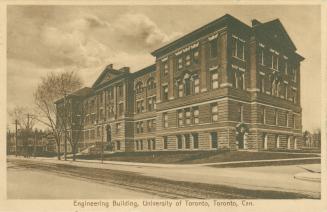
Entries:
{"x":225,"y":85}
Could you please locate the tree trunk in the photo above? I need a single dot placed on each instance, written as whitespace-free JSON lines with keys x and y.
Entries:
{"x":58,"y":152}
{"x":74,"y":152}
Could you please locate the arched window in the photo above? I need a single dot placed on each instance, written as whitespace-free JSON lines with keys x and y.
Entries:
{"x":151,"y":84}
{"x":139,"y":87}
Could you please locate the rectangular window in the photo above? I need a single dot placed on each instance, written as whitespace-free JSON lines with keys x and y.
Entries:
{"x":263,"y":115}
{"x":153,"y":143}
{"x":261,"y":56}
{"x":196,"y":115}
{"x":262,"y":86}
{"x":150,"y":125}
{"x":214,"y":112}
{"x":196,"y":85}
{"x":187,"y":141}
{"x":180,"y":63}
{"x":121,"y":109}
{"x":276,"y":117}
{"x":180,"y":89}
{"x":118,"y":127}
{"x":139,"y":106}
{"x":274,"y":61}
{"x":238,"y":47}
{"x":120,"y":90}
{"x":287,"y":120}
{"x":165,"y":139}
{"x":195,"y":140}
{"x":187,"y":116}
{"x":241,"y":113}
{"x":180,"y":117}
{"x":165,"y":92}
{"x":165,"y":68}
{"x":151,"y":103}
{"x":213,"y":48}
{"x":179,"y":142}
{"x":141,"y":144}
{"x":165,"y":120}
{"x":149,"y":144}
{"x":188,"y":60}
{"x":214,"y":140}
{"x":118,"y":145}
{"x":286,"y":67}
{"x":137,"y":145}
{"x":196,"y":56}
{"x":214,"y":80}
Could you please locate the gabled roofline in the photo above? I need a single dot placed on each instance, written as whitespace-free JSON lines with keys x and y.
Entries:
{"x":197,"y":33}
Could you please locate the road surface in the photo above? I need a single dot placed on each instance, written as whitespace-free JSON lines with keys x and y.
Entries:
{"x":153,"y":182}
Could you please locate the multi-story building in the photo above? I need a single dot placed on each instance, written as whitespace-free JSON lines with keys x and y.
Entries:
{"x":225,"y":85}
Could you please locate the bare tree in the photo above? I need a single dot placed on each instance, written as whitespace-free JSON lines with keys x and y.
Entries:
{"x":53,"y":87}
{"x":25,"y":119}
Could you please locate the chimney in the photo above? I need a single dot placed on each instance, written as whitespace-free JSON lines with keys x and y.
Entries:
{"x":255,"y":22}
{"x":110,"y":66}
{"x":124,"y":69}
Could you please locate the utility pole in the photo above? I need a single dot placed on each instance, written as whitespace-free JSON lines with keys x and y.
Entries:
{"x":16,"y":123}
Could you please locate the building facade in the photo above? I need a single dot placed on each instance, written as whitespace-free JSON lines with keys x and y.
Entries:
{"x":225,"y":85}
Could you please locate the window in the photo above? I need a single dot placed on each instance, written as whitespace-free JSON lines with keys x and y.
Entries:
{"x":261,"y":56}
{"x":214,"y":80}
{"x":120,"y":90}
{"x":179,"y":142}
{"x":151,"y":103}
{"x":180,"y":89}
{"x":149,"y":144}
{"x":165,"y":139}
{"x":121,"y":109}
{"x":214,"y":140}
{"x":165,"y":68}
{"x":287,"y":120}
{"x":110,"y":93}
{"x":262,"y":82}
{"x":293,"y":120}
{"x":195,"y":56}
{"x":187,"y":86}
{"x":165,"y":92}
{"x":137,"y":145}
{"x":180,"y":118}
{"x":139,"y":87}
{"x":276,"y":117}
{"x":153,"y":143}
{"x":241,"y":113}
{"x":263,"y":115}
{"x":118,"y":127}
{"x":238,"y":47}
{"x":141,"y":144}
{"x":195,"y":140}
{"x":286,"y":67}
{"x":213,"y":48}
{"x":180,"y":62}
{"x":188,"y":60}
{"x":151,"y":84}
{"x":214,"y":112}
{"x":196,"y":85}
{"x":151,"y":125}
{"x":242,"y":81}
{"x":187,"y":141}
{"x":235,"y":81}
{"x":118,"y":145}
{"x":141,"y":127}
{"x":196,"y":115}
{"x":294,"y":74}
{"x":139,"y":106}
{"x":165,"y":120}
{"x":187,"y":116}
{"x":274,"y":61}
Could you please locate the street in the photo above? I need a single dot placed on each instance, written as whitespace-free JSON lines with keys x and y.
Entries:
{"x":48,"y":179}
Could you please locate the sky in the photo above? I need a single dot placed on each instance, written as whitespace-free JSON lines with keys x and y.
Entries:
{"x":44,"y":39}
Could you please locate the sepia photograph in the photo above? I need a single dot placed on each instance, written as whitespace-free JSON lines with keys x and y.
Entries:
{"x":170,"y":105}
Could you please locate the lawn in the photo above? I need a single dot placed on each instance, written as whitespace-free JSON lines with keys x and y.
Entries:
{"x":177,"y":157}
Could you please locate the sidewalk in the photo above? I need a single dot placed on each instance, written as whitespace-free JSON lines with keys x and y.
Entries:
{"x":279,"y":178}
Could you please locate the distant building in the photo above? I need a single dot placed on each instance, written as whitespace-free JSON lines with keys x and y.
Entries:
{"x":312,"y":140}
{"x":225,"y":85}
{"x":30,"y":143}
